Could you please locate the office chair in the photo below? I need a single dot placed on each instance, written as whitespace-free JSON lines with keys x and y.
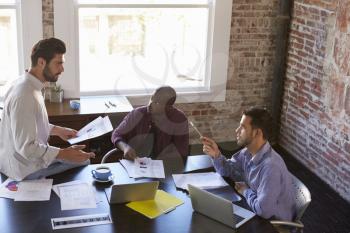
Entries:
{"x":303,"y":199}
{"x":113,"y":151}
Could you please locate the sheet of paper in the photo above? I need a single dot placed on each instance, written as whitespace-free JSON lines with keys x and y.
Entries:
{"x":204,"y":180}
{"x":9,"y":188}
{"x":144,"y":167}
{"x":56,"y":186}
{"x":77,"y":196}
{"x":34,"y":190}
{"x":80,"y":221}
{"x":94,"y":129}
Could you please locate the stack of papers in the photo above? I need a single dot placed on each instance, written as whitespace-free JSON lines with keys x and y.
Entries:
{"x":206,"y":180}
{"x":144,"y":167}
{"x":75,"y":195}
{"x":94,"y":129}
{"x":28,"y":190}
{"x":163,"y":203}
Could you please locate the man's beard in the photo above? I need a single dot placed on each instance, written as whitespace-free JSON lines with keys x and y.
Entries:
{"x":245,"y":142}
{"x":49,"y":77}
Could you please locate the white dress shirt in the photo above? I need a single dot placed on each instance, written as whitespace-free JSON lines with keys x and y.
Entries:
{"x":25,"y":130}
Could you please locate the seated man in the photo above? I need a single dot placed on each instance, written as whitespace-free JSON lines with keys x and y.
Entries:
{"x":24,"y":125}
{"x":267,"y":184}
{"x":158,"y":129}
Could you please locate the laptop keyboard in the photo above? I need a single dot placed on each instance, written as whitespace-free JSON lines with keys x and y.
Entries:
{"x":237,"y":218}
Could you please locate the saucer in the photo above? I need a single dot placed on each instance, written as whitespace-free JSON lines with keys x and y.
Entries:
{"x":110,"y":178}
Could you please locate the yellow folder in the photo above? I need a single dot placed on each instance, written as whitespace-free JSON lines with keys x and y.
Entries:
{"x":162,"y":203}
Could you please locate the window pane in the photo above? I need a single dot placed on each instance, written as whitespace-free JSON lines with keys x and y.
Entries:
{"x":7,"y":2}
{"x":8,"y":45}
{"x":137,"y":49}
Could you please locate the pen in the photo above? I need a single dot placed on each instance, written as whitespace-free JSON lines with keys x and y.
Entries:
{"x":106,"y":105}
{"x":195,"y":128}
{"x":112,"y":104}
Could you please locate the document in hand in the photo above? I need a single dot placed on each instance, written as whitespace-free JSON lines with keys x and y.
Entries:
{"x":144,"y":167}
{"x":94,"y":129}
{"x":205,"y":180}
{"x":163,"y":203}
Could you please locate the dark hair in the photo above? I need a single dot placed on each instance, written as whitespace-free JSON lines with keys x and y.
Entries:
{"x":167,"y":94}
{"x":47,"y":49}
{"x":261,"y":119}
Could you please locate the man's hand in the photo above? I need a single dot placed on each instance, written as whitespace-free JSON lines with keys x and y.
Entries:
{"x":241,"y":187}
{"x":129,"y":153}
{"x":63,"y":133}
{"x":210,"y":147}
{"x":75,"y":154}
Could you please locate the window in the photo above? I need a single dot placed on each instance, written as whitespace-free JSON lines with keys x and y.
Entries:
{"x":132,"y":47}
{"x":20,"y":28}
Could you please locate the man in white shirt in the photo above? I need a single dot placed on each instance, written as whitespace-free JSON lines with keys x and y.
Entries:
{"x":24,"y":126}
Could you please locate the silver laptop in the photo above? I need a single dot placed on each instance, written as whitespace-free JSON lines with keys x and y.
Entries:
{"x":218,"y":208}
{"x":121,"y":193}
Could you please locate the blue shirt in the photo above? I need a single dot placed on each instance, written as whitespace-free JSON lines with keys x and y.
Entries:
{"x":270,"y":193}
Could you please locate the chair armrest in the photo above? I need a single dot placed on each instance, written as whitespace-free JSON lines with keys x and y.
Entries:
{"x":287,"y":223}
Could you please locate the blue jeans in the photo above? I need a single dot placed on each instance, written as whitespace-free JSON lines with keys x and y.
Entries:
{"x":57,"y":166}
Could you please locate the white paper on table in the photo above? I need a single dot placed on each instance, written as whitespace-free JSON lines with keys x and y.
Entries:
{"x":5,"y":191}
{"x":77,"y":196}
{"x":144,"y":167}
{"x":94,"y":129}
{"x":206,"y":180}
{"x":34,"y":190}
{"x":56,"y":186}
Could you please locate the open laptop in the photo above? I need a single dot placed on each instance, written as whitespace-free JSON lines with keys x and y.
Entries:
{"x":218,"y":208}
{"x":121,"y":193}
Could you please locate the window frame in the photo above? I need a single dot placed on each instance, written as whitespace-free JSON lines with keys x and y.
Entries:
{"x":29,"y":30}
{"x":217,"y":57}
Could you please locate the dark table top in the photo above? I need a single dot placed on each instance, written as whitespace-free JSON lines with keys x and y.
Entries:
{"x":23,"y":217}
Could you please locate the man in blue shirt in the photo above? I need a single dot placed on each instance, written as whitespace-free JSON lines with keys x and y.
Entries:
{"x":266,"y":182}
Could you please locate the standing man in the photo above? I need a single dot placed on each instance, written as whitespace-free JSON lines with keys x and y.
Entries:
{"x":158,"y":129}
{"x":267,"y":184}
{"x":24,"y":126}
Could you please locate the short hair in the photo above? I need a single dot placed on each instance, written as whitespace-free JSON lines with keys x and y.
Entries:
{"x":167,"y":93}
{"x":47,"y":49}
{"x":261,"y":119}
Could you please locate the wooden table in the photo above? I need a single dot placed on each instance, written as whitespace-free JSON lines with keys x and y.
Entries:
{"x":116,"y":107}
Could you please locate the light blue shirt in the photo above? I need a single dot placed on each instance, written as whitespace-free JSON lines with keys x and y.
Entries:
{"x":270,"y":193}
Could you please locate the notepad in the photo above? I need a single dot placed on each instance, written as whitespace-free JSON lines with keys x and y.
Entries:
{"x":162,"y":203}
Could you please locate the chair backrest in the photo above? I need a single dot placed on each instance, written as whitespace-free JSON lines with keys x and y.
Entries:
{"x":108,"y":154}
{"x":303,"y":198}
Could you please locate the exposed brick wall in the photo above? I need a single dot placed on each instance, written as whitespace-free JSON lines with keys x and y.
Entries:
{"x":315,"y":122}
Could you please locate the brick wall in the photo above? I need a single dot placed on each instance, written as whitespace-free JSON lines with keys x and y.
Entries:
{"x":250,"y":68}
{"x":315,"y":122}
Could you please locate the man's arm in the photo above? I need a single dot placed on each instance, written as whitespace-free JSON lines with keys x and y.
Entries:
{"x":263,"y":200}
{"x":24,"y":131}
{"x":62,"y":132}
{"x":225,"y":167}
{"x":129,"y":152}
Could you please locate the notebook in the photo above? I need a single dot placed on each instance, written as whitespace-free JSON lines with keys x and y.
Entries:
{"x":121,"y":193}
{"x":227,"y":213}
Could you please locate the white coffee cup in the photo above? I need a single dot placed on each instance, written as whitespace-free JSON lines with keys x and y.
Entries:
{"x":101,"y":173}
